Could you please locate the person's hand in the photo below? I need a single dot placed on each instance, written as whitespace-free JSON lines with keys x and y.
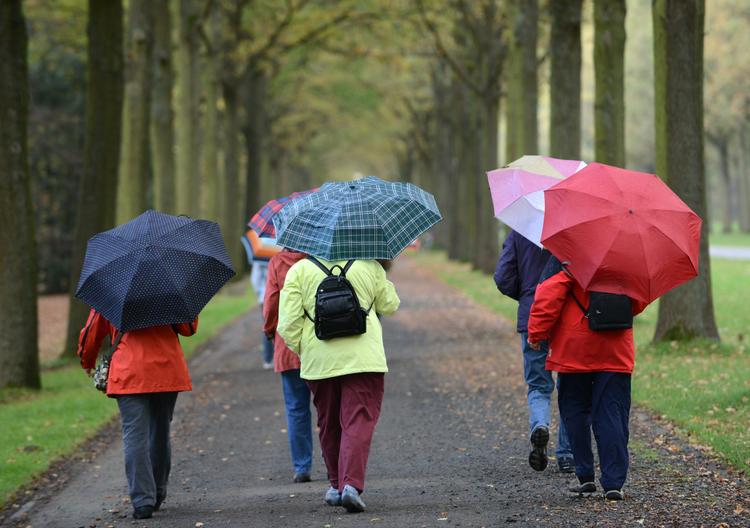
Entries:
{"x":535,"y":345}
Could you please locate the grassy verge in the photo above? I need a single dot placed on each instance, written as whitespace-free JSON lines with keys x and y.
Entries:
{"x":735,"y":238}
{"x":702,"y":387}
{"x":38,"y":427}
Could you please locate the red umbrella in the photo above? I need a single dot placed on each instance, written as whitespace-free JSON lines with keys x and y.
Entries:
{"x":622,"y":231}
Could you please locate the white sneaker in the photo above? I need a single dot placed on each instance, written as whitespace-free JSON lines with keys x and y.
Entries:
{"x":267,"y":365}
{"x":351,"y":500}
{"x":333,"y":497}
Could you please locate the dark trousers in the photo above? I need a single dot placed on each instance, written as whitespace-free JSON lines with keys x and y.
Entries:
{"x":145,"y":434}
{"x":598,"y":401}
{"x":348,"y":410}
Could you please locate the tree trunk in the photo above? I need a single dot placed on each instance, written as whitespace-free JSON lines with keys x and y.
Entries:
{"x":232,"y":199}
{"x":487,"y":249}
{"x":188,"y":110}
{"x":687,"y":311}
{"x":211,"y":177}
{"x":522,"y":130}
{"x":254,"y":87}
{"x":19,"y":351}
{"x":609,"y":73}
{"x":744,"y":179}
{"x":134,"y":157}
{"x":441,"y":158}
{"x":727,"y":209}
{"x":565,"y":79}
{"x":162,"y":115}
{"x":104,"y":99}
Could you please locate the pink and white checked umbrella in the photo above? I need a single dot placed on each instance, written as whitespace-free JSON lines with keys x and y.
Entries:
{"x":518,"y":191}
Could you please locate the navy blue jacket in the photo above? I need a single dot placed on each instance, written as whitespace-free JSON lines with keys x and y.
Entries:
{"x":517,"y":273}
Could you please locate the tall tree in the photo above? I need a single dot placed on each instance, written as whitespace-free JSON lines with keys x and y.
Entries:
{"x":188,"y":109}
{"x":97,"y":196}
{"x":19,"y":352}
{"x":162,"y":114}
{"x":521,"y":135}
{"x":134,"y":156}
{"x":565,"y":79}
{"x":211,"y":179}
{"x":687,"y":311}
{"x":609,"y":74}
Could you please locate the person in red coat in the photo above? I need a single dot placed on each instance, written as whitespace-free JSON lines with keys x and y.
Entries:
{"x":287,"y":363}
{"x":146,"y":372}
{"x":594,"y":370}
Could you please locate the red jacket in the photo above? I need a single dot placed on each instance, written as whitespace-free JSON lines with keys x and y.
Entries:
{"x":556,"y":317}
{"x":146,"y":360}
{"x":283,"y":358}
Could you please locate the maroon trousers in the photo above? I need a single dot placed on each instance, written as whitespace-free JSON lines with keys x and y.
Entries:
{"x":348,"y":409}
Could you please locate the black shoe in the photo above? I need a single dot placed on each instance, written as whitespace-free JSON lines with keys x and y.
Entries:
{"x":614,"y":495}
{"x":144,"y":512}
{"x":159,"y":500}
{"x":538,"y":455}
{"x":587,"y":489}
{"x":566,"y":465}
{"x":302,"y":477}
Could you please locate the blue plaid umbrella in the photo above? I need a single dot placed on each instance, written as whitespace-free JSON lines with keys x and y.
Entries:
{"x":156,"y":269}
{"x":362,"y":219}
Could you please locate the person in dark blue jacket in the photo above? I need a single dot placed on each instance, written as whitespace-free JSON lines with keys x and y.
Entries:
{"x":517,"y":274}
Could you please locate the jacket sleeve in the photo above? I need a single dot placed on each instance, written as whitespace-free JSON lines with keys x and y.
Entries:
{"x":187,"y":329}
{"x":549,"y":300}
{"x":386,"y":298}
{"x":91,"y":337}
{"x":271,"y":301}
{"x":291,"y":310}
{"x":506,"y":272}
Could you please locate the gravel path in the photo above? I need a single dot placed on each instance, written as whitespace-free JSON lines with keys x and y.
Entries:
{"x":450,"y":449}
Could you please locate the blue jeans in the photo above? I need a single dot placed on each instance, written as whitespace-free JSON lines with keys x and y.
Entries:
{"x":598,"y":401}
{"x":540,"y":386}
{"x":298,"y":419}
{"x":145,"y":434}
{"x":267,"y":343}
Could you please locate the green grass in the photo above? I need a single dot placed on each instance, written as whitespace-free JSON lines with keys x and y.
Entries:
{"x":736,"y":239}
{"x":38,"y":427}
{"x":701,"y":386}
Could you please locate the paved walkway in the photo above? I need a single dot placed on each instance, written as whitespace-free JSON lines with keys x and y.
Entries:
{"x":727,"y":252}
{"x":450,"y":449}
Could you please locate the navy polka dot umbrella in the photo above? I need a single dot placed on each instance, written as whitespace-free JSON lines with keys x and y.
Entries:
{"x":156,"y":269}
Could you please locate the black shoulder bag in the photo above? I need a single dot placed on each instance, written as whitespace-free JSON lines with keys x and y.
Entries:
{"x":607,"y":311}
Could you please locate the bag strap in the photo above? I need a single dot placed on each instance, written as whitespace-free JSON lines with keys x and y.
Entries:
{"x":584,"y":310}
{"x":114,"y":344}
{"x":320,"y":265}
{"x":346,"y":268}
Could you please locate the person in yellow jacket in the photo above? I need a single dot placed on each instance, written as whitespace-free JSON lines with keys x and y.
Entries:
{"x":345,"y":374}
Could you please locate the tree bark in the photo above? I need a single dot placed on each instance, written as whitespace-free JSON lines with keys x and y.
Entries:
{"x":162,"y":114}
{"x":744,"y":179}
{"x":188,"y":110}
{"x":565,"y":79}
{"x":609,"y":74}
{"x":134,"y":157}
{"x":232,"y":198}
{"x":97,"y":196}
{"x":522,"y":132}
{"x":211,"y":177}
{"x":19,"y":352}
{"x":687,"y":311}
{"x":487,"y":248}
{"x":254,"y":87}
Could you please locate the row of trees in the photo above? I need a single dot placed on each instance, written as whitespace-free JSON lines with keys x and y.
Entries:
{"x":456,"y":125}
{"x":210,"y":107}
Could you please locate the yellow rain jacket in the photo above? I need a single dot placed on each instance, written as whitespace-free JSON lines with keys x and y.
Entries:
{"x":343,"y":355}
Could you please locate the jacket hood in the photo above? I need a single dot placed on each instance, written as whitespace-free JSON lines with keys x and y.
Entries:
{"x":290,"y":257}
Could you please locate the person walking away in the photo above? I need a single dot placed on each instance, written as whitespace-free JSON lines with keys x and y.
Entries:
{"x":295,"y":390}
{"x":258,"y":275}
{"x":146,"y":372}
{"x":345,"y":374}
{"x":517,"y":273}
{"x":594,"y":370}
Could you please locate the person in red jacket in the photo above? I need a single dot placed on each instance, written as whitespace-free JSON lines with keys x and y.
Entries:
{"x":594,"y":369}
{"x":146,"y":372}
{"x":286,"y":362}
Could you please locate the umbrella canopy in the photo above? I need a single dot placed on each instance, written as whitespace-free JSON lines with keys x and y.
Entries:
{"x":548,"y":166}
{"x":518,"y":193}
{"x":156,"y":269}
{"x":262,"y":221}
{"x":362,"y":219}
{"x":259,"y":248}
{"x":622,"y":231}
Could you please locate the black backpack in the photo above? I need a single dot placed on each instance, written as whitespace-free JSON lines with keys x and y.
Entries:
{"x":337,"y":309}
{"x":608,"y":311}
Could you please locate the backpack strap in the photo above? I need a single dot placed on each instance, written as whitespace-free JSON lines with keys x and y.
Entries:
{"x":320,"y":265}
{"x":346,"y":268}
{"x":114,"y":344}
